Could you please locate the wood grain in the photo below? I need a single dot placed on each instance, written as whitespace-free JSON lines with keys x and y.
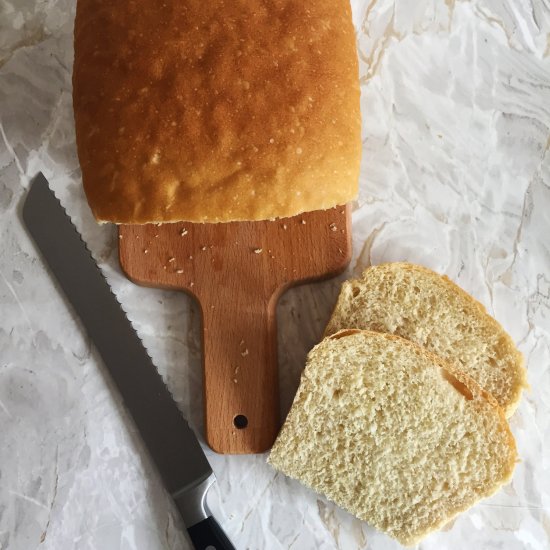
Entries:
{"x":237,"y":271}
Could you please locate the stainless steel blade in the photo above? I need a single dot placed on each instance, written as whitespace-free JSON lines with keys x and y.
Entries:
{"x":171,"y":443}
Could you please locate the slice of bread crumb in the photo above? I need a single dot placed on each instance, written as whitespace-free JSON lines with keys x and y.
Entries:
{"x":428,"y":309}
{"x":394,"y":435}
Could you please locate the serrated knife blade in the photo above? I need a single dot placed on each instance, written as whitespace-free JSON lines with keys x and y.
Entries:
{"x":170,"y":441}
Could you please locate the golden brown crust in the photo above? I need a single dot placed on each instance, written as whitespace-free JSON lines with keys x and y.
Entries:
{"x":215,"y":111}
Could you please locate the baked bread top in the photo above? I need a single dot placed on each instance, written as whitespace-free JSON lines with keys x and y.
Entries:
{"x":213,"y":111}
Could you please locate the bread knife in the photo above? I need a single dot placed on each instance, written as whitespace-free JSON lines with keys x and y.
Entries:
{"x":171,"y":443}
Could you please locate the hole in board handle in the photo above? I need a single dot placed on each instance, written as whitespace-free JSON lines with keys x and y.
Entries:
{"x":240,"y":421}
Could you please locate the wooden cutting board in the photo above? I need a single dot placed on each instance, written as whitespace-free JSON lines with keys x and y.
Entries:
{"x":237,"y":271}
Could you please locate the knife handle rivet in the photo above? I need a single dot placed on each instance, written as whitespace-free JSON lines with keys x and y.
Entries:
{"x":240,"y":421}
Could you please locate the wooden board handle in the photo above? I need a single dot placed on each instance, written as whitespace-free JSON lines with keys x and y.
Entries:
{"x":240,"y":372}
{"x":237,"y":271}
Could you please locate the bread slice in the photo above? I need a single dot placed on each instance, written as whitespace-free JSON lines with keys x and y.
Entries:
{"x":422,"y":306}
{"x":392,"y":434}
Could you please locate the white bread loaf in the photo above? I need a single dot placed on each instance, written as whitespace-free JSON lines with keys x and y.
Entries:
{"x":422,"y":306}
{"x":392,"y":434}
{"x":215,"y":111}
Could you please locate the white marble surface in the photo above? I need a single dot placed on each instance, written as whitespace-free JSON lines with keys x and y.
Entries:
{"x":456,"y":176}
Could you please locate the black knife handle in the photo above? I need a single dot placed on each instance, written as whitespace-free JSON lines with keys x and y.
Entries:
{"x":208,"y":535}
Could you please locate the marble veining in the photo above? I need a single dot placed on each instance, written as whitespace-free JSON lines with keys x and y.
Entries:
{"x":455,"y":176}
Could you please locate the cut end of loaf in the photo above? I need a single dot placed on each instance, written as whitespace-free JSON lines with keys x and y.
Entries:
{"x":392,"y":434}
{"x":418,"y":304}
